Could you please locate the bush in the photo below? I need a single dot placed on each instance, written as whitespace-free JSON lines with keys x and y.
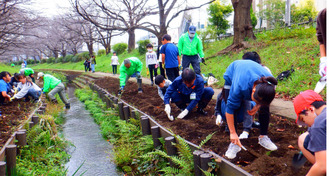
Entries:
{"x":58,"y":60}
{"x":50,"y":60}
{"x":43,"y":61}
{"x":101,"y":52}
{"x":85,"y":55}
{"x":119,"y":48}
{"x":68,"y":58}
{"x":142,"y":46}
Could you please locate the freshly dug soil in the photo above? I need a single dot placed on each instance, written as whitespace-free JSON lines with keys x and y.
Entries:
{"x":13,"y":113}
{"x":195,"y":127}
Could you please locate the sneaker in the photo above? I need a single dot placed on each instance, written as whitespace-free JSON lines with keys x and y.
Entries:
{"x":171,"y":118}
{"x":267,"y":143}
{"x":201,"y":111}
{"x":219,"y":120}
{"x":140,"y":90}
{"x":232,"y":151}
{"x":244,"y":135}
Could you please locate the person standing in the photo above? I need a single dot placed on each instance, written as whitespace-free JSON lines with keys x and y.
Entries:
{"x":170,"y":57}
{"x":311,"y":112}
{"x":114,"y":63}
{"x":53,"y":86}
{"x":246,"y":81}
{"x":191,"y":49}
{"x":131,"y":67}
{"x":321,"y":33}
{"x":87,"y":65}
{"x":188,"y":88}
{"x":159,"y":56}
{"x":151,"y":62}
{"x":93,"y":63}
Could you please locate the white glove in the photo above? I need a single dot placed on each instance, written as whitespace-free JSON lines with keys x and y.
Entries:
{"x":183,"y":114}
{"x":167,"y":109}
{"x":219,"y":120}
{"x":323,"y":66}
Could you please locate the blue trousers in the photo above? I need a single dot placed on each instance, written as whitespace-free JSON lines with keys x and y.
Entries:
{"x":181,"y":99}
{"x":194,"y":60}
{"x":33,"y":93}
{"x":93,"y":67}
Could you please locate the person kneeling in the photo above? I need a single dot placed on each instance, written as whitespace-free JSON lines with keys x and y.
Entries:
{"x":188,"y":88}
{"x":26,"y":89}
{"x":311,"y":111}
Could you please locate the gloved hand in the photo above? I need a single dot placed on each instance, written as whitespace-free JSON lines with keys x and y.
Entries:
{"x":15,"y":90}
{"x":323,"y":66}
{"x":147,"y":72}
{"x":167,"y":109}
{"x":180,"y":67}
{"x":219,"y":120}
{"x":203,"y":61}
{"x":183,"y":114}
{"x":12,"y":98}
{"x":138,"y":74}
{"x":122,"y":87}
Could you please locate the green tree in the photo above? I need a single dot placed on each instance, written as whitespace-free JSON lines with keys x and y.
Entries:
{"x":218,"y":14}
{"x":274,"y":12}
{"x":253,"y":18}
{"x":305,"y":11}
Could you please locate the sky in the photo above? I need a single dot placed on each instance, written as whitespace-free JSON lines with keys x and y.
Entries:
{"x":49,"y":8}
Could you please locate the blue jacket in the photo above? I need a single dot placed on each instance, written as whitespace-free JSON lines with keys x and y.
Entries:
{"x":180,"y":87}
{"x":241,"y":75}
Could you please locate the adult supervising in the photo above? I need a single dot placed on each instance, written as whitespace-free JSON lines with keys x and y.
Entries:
{"x":191,"y":49}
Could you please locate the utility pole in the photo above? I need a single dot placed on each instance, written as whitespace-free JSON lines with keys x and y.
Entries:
{"x":287,"y":16}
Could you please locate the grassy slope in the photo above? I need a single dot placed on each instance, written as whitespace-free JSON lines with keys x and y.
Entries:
{"x":10,"y":69}
{"x":279,"y":50}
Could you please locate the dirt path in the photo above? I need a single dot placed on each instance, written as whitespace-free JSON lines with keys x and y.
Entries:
{"x":195,"y":128}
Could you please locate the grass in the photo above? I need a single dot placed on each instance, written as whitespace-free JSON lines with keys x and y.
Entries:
{"x":279,"y":50}
{"x":4,"y":67}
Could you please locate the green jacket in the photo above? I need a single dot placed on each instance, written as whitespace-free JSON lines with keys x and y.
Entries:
{"x":50,"y":82}
{"x":93,"y":60}
{"x":186,"y":47}
{"x":28,"y":71}
{"x":136,"y":65}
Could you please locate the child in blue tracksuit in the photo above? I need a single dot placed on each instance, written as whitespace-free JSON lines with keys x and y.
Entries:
{"x":188,"y":88}
{"x":246,"y":81}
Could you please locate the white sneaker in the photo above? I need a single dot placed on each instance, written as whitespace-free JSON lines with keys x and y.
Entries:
{"x":244,"y":135}
{"x":267,"y":143}
{"x":171,"y":118}
{"x":232,"y":151}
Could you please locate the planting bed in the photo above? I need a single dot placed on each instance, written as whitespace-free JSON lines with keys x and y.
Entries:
{"x":13,"y":114}
{"x":195,"y":128}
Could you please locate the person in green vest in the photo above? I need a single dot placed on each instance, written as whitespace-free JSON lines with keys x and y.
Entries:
{"x":131,"y":67}
{"x":12,"y":65}
{"x":28,"y":72}
{"x":191,"y":49}
{"x":93,"y":63}
{"x":52,"y":86}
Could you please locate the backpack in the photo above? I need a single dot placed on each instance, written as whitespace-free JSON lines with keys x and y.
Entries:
{"x":285,"y":74}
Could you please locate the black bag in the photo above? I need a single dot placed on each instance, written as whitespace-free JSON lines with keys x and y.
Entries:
{"x":285,"y":74}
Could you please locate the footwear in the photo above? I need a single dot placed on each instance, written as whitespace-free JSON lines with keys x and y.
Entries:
{"x":266,"y":142}
{"x":201,"y":111}
{"x":255,"y":124}
{"x":232,"y":150}
{"x":219,"y":120}
{"x":67,"y":106}
{"x":140,"y":90}
{"x":244,"y":135}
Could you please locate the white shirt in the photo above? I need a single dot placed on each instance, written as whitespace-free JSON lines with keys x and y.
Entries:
{"x":115,"y":60}
{"x":24,"y":88}
{"x":151,"y":58}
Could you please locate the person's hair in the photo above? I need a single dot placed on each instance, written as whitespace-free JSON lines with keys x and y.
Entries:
{"x":252,"y":56}
{"x":167,"y":37}
{"x":20,"y":76}
{"x":158,"y":79}
{"x":149,"y":45}
{"x":4,"y":74}
{"x":114,"y":52}
{"x":16,"y":75}
{"x":93,"y":56}
{"x":264,"y":93}
{"x":316,"y":104}
{"x":188,"y":75}
{"x":126,"y":61}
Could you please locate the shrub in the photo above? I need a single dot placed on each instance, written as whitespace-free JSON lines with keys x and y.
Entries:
{"x":142,"y":46}
{"x":119,"y":48}
{"x":58,"y":60}
{"x":43,"y":61}
{"x":85,"y":55}
{"x":50,"y":60}
{"x":68,"y":58}
{"x":101,"y":52}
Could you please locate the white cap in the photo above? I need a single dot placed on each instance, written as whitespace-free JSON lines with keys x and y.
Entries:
{"x":40,"y":74}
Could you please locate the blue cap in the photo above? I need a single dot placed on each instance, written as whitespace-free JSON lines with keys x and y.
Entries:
{"x":192,"y":29}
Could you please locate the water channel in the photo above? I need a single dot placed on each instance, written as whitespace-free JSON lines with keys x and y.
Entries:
{"x":90,"y":148}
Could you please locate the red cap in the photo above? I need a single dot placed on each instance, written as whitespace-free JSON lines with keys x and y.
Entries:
{"x":303,"y":101}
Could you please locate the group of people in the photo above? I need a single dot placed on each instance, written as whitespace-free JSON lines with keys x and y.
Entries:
{"x":22,"y":85}
{"x":90,"y":64}
{"x":249,"y":89}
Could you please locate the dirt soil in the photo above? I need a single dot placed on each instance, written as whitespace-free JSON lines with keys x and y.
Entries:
{"x":194,"y":127}
{"x":12,"y":114}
